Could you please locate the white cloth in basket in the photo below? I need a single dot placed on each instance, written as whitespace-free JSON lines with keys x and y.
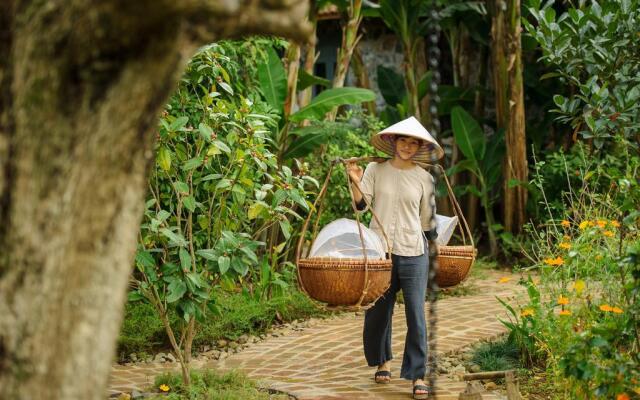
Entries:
{"x":445,"y":227}
{"x":341,"y":239}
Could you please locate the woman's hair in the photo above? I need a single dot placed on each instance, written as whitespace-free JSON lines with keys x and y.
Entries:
{"x":420,"y":141}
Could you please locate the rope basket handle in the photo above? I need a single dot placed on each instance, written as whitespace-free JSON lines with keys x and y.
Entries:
{"x":457,"y":210}
{"x":317,"y":205}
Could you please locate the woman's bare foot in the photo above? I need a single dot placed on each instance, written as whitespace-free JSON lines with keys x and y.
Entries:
{"x":383,"y":374}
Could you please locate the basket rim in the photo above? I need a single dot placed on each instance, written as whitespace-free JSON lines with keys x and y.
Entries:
{"x":353,"y":266}
{"x":457,"y":255}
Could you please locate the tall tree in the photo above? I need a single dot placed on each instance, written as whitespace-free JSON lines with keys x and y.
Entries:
{"x":81,"y":86}
{"x":466,"y":25}
{"x":509,"y":103}
{"x":406,"y":19}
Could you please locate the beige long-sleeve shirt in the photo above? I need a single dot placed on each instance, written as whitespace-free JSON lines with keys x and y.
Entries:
{"x":404,"y":201}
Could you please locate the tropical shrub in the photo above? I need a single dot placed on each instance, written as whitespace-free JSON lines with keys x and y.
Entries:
{"x":215,"y":189}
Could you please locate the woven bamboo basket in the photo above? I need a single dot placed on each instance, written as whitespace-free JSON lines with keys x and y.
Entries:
{"x":338,"y":282}
{"x":454,"y":262}
{"x":347,"y":283}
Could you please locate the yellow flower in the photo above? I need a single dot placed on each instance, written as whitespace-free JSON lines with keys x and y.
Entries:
{"x":637,"y":390}
{"x":563,"y":300}
{"x":564,"y":245}
{"x":606,"y":308}
{"x":566,"y":237}
{"x":565,"y":223}
{"x":526,"y":312}
{"x":578,"y":286}
{"x":585,"y":224}
{"x":598,"y":257}
{"x":504,"y":279}
{"x":554,"y":261}
{"x":564,"y":312}
{"x":615,"y":224}
{"x":164,"y":388}
{"x":608,"y":233}
{"x":601,"y":223}
{"x":617,"y":310}
{"x":623,"y":396}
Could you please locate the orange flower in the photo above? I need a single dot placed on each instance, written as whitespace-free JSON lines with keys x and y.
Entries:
{"x":585,"y":224}
{"x":504,"y":279}
{"x":623,"y":396}
{"x":164,"y":388}
{"x":606,"y":308}
{"x":617,"y":310}
{"x":563,"y":300}
{"x":527,"y":312}
{"x":608,"y":233}
{"x":565,"y":223}
{"x":564,"y":245}
{"x":601,"y":223}
{"x":554,"y":261}
{"x":564,"y":312}
{"x":598,"y":257}
{"x":615,"y":224}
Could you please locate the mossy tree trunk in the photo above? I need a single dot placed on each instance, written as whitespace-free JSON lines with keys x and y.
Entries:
{"x":509,"y":102}
{"x":81,"y":86}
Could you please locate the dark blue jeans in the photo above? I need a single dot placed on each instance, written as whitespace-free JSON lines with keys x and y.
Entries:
{"x":409,"y":274}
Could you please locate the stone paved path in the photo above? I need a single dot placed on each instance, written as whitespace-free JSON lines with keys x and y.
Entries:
{"x":326,"y":361}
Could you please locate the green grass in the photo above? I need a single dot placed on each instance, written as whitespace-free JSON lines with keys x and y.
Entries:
{"x":143,"y":332}
{"x":210,"y":385}
{"x":497,"y":356}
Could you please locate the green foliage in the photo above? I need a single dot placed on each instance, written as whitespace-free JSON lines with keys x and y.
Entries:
{"x":331,"y":98}
{"x":353,"y":142}
{"x":525,"y":326}
{"x":392,"y":88}
{"x":210,"y":385}
{"x":238,"y":313}
{"x":214,"y":192}
{"x":141,"y":332}
{"x":500,"y":355}
{"x":482,"y":159}
{"x":246,"y":315}
{"x":210,"y":185}
{"x":592,"y":49}
{"x":291,"y":141}
{"x":582,"y":317}
{"x":273,"y":80}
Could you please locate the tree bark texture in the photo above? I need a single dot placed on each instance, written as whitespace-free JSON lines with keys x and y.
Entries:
{"x":350,"y":39}
{"x":310,"y":58}
{"x":362,"y":77}
{"x":509,"y":97}
{"x":81,"y":86}
{"x":422,"y":68}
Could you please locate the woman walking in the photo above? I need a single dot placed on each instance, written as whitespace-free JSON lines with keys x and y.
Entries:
{"x":403,"y":196}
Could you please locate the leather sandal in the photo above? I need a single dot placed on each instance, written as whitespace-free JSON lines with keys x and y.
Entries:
{"x":382,"y":376}
{"x":420,"y":396}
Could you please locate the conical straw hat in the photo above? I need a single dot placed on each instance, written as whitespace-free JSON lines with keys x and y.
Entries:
{"x":430,"y":150}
